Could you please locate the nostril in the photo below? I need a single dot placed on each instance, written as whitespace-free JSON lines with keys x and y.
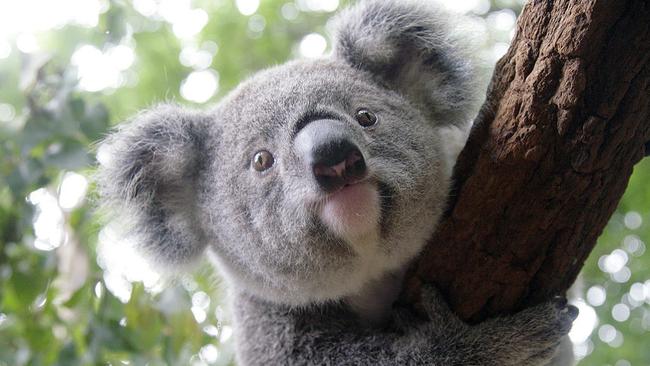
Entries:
{"x":330,"y":177}
{"x":329,"y":182}
{"x":355,"y":166}
{"x":329,"y":171}
{"x":353,"y":158}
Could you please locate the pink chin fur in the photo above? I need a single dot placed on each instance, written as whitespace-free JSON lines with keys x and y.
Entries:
{"x":352,"y":211}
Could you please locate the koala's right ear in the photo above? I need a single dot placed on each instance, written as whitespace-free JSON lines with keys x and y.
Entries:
{"x":147,"y":178}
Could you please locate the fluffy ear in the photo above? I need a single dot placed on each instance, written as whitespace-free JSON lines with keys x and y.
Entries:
{"x":147,"y":179}
{"x":410,"y":46}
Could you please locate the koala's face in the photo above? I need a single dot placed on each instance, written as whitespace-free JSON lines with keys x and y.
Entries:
{"x":311,"y":178}
{"x":319,"y":179}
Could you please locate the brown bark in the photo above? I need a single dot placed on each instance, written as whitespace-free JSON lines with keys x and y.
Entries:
{"x":566,"y":119}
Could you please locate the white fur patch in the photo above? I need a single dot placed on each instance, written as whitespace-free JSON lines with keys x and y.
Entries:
{"x":353,"y":212}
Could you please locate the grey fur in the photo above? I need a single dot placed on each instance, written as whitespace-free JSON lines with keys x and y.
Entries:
{"x":412,"y":47}
{"x":154,"y":162}
{"x":304,"y":291}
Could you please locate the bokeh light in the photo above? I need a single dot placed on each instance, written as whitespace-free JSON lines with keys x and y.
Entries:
{"x":464,"y":6}
{"x":633,"y":220}
{"x":122,"y":264}
{"x":585,"y":323}
{"x":313,"y":45}
{"x":247,"y":7}
{"x":196,"y":58}
{"x":48,"y":221}
{"x":99,"y":70}
{"x":7,"y":112}
{"x":596,"y":295}
{"x":200,"y":86}
{"x":317,"y":5}
{"x":72,"y":191}
{"x":5,"y":49}
{"x":29,"y":16}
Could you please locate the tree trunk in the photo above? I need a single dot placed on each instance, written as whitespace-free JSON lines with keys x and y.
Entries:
{"x":550,"y":154}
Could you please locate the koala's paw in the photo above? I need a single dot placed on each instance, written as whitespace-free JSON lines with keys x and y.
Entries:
{"x":542,"y":358}
{"x":555,"y":319}
{"x":439,"y":317}
{"x":528,"y":338}
{"x":540,"y":329}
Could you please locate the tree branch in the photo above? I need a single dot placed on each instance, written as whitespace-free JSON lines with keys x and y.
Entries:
{"x":566,"y":118}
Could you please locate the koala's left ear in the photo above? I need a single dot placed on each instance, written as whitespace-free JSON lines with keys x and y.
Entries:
{"x":410,"y":46}
{"x":148,"y":177}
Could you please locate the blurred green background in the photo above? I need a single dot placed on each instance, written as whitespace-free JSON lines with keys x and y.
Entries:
{"x":69,"y":69}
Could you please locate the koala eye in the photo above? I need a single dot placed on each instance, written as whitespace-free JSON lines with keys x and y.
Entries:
{"x":365,"y":117}
{"x":262,"y":160}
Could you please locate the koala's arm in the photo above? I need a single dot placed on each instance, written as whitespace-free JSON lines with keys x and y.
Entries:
{"x":270,"y":334}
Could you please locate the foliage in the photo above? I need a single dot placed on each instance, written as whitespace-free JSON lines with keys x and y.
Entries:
{"x":59,"y":305}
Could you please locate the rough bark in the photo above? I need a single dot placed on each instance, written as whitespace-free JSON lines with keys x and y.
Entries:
{"x":566,"y":118}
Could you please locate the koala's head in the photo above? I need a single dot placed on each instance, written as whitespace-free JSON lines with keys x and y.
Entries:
{"x":311,"y":178}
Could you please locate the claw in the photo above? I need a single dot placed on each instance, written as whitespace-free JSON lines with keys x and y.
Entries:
{"x":573,"y":312}
{"x":560,"y":302}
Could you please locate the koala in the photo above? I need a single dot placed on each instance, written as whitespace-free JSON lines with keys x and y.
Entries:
{"x":312,"y":186}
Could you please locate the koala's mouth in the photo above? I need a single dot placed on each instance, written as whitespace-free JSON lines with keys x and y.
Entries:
{"x":354,"y":210}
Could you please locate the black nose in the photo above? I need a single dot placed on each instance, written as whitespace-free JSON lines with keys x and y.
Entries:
{"x":327,"y":147}
{"x":337,"y":163}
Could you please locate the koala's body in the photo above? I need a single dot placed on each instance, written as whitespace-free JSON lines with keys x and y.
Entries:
{"x":312,"y":186}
